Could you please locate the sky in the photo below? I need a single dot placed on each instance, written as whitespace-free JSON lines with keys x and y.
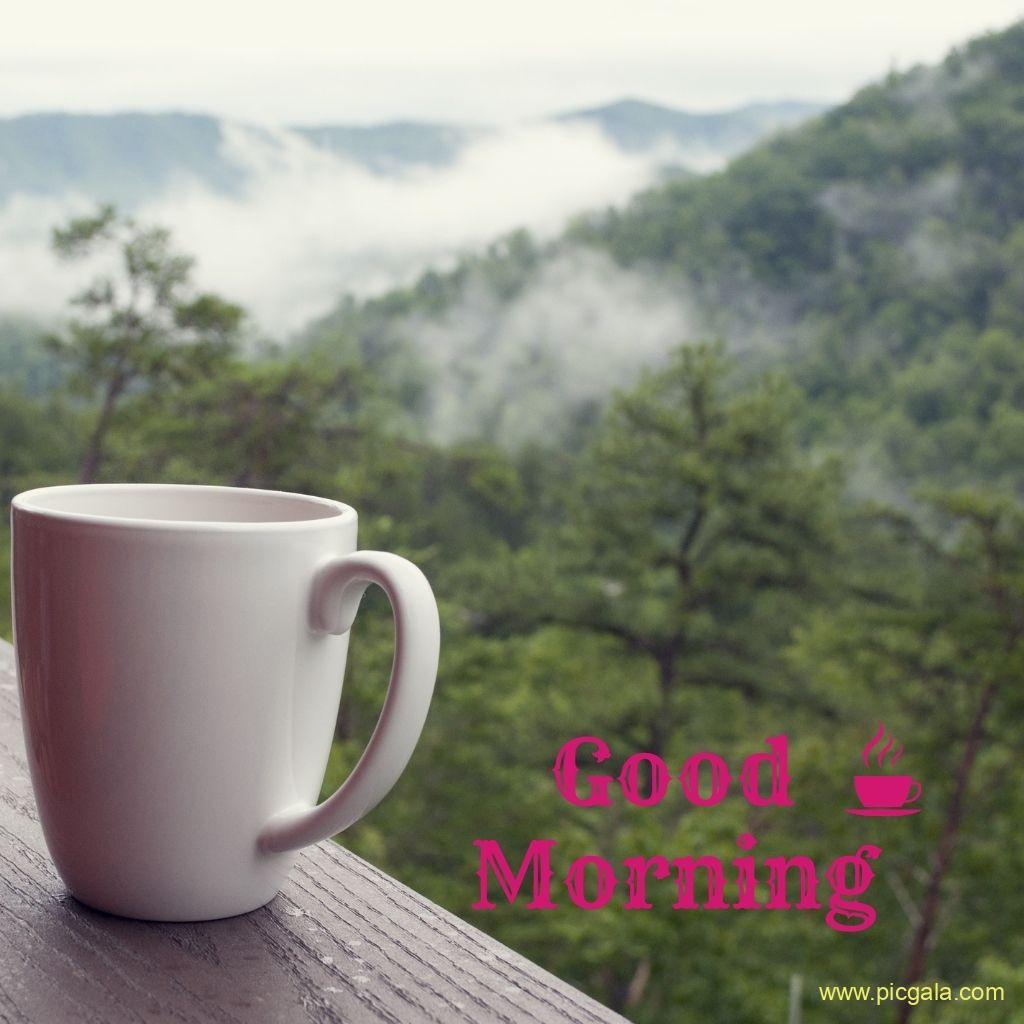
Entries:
{"x":460,"y":60}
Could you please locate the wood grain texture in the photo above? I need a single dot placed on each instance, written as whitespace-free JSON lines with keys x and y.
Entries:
{"x":342,"y":943}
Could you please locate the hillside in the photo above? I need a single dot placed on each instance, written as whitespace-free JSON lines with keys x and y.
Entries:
{"x":877,"y":251}
{"x":886,"y":243}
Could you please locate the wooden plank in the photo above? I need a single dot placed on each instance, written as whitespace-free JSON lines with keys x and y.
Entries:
{"x":343,"y":942}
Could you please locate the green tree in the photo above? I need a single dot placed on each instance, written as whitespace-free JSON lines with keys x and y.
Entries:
{"x":975,"y":608}
{"x":931,"y":641}
{"x":141,"y":326}
{"x":697,"y":531}
{"x":255,"y":423}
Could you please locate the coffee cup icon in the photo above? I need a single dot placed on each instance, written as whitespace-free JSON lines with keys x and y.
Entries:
{"x":884,"y":795}
{"x":886,"y":791}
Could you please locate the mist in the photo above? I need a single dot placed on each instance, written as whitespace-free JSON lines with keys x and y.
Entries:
{"x":520,"y":371}
{"x":309,"y":226}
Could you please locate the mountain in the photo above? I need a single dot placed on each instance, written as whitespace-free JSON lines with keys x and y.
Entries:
{"x":637,"y":126}
{"x":876,"y":253}
{"x":131,"y":157}
{"x":392,"y":146}
{"x":118,"y":157}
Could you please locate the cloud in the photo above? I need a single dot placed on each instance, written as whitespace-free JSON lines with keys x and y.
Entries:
{"x":34,"y":282}
{"x":310,"y":226}
{"x":521,"y":371}
{"x":892,"y":212}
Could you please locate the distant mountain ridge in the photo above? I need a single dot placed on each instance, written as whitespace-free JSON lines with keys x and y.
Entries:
{"x":636,"y":125}
{"x":118,"y":157}
{"x":390,"y":146}
{"x":130,"y":157}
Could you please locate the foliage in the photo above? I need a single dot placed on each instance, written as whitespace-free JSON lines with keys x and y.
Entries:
{"x":140,"y":331}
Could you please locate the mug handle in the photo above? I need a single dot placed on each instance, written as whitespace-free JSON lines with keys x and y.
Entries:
{"x":337,"y":590}
{"x":915,"y":794}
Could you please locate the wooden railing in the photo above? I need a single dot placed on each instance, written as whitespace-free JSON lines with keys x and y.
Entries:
{"x":343,"y":942}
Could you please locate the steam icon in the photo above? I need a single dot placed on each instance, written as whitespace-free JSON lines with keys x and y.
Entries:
{"x":884,"y":795}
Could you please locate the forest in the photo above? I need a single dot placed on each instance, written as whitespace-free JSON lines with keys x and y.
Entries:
{"x":806,"y":519}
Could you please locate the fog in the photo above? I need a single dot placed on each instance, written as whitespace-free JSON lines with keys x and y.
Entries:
{"x":519,"y":371}
{"x":310,"y":226}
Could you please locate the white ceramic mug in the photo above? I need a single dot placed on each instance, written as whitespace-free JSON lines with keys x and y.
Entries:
{"x":180,"y":656}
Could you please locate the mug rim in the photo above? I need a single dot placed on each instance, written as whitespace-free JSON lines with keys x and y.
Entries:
{"x":30,"y":502}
